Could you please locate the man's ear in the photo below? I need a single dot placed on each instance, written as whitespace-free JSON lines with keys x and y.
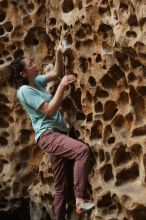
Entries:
{"x":23,"y":74}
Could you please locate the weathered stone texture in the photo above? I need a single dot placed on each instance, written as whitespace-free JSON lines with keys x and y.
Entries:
{"x":106,"y":42}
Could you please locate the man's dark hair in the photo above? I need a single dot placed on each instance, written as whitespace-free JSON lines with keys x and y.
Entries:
{"x":16,"y":67}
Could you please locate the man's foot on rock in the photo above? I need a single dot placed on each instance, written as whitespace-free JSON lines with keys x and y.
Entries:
{"x":84,"y":207}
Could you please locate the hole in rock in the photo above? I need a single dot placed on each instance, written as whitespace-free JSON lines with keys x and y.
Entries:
{"x":131,"y":77}
{"x":24,"y":154}
{"x":5,"y":39}
{"x":88,"y":43}
{"x":129,"y":117}
{"x":139,"y":131}
{"x":101,"y":93}
{"x":41,"y":11}
{"x":108,"y":82}
{"x":54,"y":33}
{"x":11,"y":119}
{"x":135,"y":63}
{"x":19,"y":166}
{"x":107,"y":156}
{"x":69,"y":39}
{"x":138,"y":102}
{"x":80,"y":34}
{"x":25,"y":136}
{"x":142,"y":55}
{"x":35,"y":42}
{"x":98,"y":107}
{"x":105,"y":201}
{"x":98,"y":58}
{"x":142,"y":90}
{"x":3,"y":141}
{"x":128,"y":174}
{"x":3,"y":203}
{"x":124,"y":98}
{"x":3,"y":123}
{"x":30,"y":7}
{"x":83,"y":64}
{"x":18,"y":53}
{"x":17,"y":143}
{"x":96,"y":130}
{"x":137,"y":149}
{"x":12,"y":47}
{"x":28,"y":178}
{"x":70,"y":57}
{"x":8,"y":26}
{"x":123,"y":7}
{"x":104,"y":2}
{"x":65,"y":26}
{"x":16,"y":187}
{"x":129,"y":51}
{"x":77,"y":44}
{"x":27,"y":20}
{"x":119,"y":121}
{"x":2,"y":62}
{"x":74,"y":133}
{"x":5,"y":53}
{"x":122,"y":59}
{"x":105,"y":29}
{"x":89,"y":117}
{"x":80,"y":5}
{"x":144,"y":162}
{"x":67,"y":6}
{"x":103,"y":10}
{"x":121,"y":156}
{"x":8,"y":59}
{"x":142,"y":21}
{"x":17,"y":213}
{"x":110,"y":110}
{"x":1,"y":31}
{"x":139,"y":213}
{"x":68,"y":105}
{"x":80,"y":116}
{"x":101,"y":155}
{"x":76,"y":96}
{"x":2,"y":15}
{"x":111,"y":140}
{"x":92,"y":81}
{"x":87,"y":27}
{"x":31,"y":38}
{"x":88,"y":97}
{"x":5,"y":134}
{"x":2,"y":161}
{"x":132,"y":20}
{"x":106,"y":172}
{"x":116,"y":72}
{"x":131,"y":34}
{"x":108,"y":136}
{"x":89,"y":60}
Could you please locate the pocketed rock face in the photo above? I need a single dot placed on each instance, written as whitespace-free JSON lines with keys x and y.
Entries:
{"x":106,"y":43}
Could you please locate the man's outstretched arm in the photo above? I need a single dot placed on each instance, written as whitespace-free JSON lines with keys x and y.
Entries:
{"x":58,"y":68}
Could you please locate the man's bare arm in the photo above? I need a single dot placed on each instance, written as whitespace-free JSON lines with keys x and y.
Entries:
{"x":52,"y":107}
{"x":58,"y":68}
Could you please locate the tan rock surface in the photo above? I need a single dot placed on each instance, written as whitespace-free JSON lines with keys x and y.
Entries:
{"x":106,"y":42}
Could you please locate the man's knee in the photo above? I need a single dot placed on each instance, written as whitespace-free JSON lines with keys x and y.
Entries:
{"x":84,"y":150}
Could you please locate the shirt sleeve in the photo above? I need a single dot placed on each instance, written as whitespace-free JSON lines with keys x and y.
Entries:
{"x":31,"y":97}
{"x":41,"y":80}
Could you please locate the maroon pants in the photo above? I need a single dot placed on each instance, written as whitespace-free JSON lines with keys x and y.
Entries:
{"x":61,"y":147}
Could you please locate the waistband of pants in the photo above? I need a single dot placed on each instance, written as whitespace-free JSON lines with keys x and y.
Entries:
{"x":49,"y":130}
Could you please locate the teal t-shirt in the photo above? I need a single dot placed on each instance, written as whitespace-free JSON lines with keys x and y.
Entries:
{"x":31,"y":99}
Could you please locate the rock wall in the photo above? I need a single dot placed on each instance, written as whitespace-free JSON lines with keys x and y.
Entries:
{"x":106,"y":42}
